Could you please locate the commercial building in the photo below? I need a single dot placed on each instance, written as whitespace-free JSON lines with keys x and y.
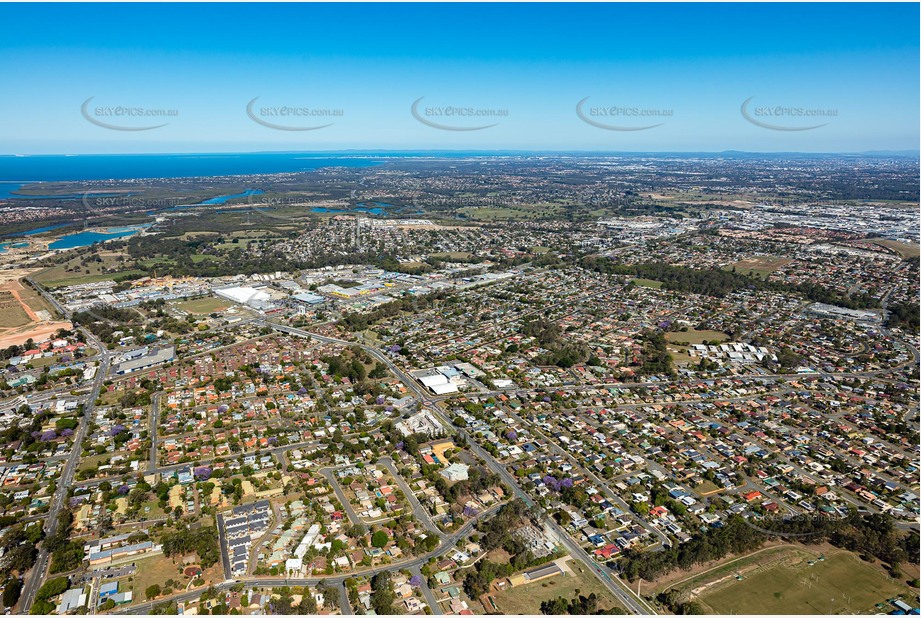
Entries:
{"x":155,"y":356}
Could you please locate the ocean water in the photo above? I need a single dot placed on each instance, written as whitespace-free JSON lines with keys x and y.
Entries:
{"x":48,"y":168}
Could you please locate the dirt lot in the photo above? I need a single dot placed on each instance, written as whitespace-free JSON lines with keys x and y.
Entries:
{"x":19,"y":307}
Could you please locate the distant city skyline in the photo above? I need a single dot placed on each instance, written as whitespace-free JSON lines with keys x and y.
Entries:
{"x":761,"y":78}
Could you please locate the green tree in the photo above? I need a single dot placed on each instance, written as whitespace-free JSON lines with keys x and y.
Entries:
{"x":379,"y":539}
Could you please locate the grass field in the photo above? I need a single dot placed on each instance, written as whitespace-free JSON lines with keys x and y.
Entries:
{"x":695,"y":336}
{"x":903,"y":249}
{"x":12,"y":315}
{"x":647,"y":283}
{"x":72,"y":272}
{"x":456,"y":255}
{"x":78,"y":279}
{"x":35,"y":300}
{"x":762,"y":266}
{"x":526,"y":599}
{"x":154,"y":570}
{"x":209,"y":304}
{"x":518,"y":212}
{"x":782,"y":581}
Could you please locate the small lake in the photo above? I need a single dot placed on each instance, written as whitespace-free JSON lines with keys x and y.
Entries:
{"x":379,"y":208}
{"x":88,"y":237}
{"x":221,"y":199}
{"x":39,"y":230}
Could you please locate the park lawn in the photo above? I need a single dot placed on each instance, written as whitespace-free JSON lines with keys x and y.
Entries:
{"x":526,"y":599}
{"x":155,"y":511}
{"x":208,"y":304}
{"x":647,"y":283}
{"x":680,"y":356}
{"x":762,"y":266}
{"x":39,"y":363}
{"x":455,"y":255}
{"x":842,"y":583}
{"x":198,"y":258}
{"x":695,"y":336}
{"x":154,"y":570}
{"x":93,"y":461}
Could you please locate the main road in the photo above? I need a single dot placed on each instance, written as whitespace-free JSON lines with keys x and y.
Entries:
{"x":33,"y":581}
{"x":37,"y":573}
{"x":627,"y":597}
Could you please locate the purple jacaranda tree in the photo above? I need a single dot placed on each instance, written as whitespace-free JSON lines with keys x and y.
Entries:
{"x":202,"y":473}
{"x":117,"y":429}
{"x":67,"y":433}
{"x":272,"y":440}
{"x":566,"y":483}
{"x":48,"y":435}
{"x":395,"y":348}
{"x":399,"y":445}
{"x":469,"y":511}
{"x":551,"y":482}
{"x":415,"y":581}
{"x":122,"y":490}
{"x":221,"y":409}
{"x":511,"y":435}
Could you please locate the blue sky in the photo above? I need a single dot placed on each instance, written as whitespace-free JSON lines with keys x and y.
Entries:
{"x":858,"y":64}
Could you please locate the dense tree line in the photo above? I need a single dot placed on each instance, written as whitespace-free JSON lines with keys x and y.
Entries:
{"x":66,"y":553}
{"x":656,"y":359}
{"x":361,"y":321}
{"x":382,"y":598}
{"x":579,"y":606}
{"x":672,"y":599}
{"x":203,"y":542}
{"x":868,"y":534}
{"x":719,"y":283}
{"x":561,"y":352}
{"x":497,"y":533}
{"x":104,"y":320}
{"x":905,"y":316}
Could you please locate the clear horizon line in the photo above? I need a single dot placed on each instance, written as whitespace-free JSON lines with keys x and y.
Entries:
{"x":501,"y":151}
